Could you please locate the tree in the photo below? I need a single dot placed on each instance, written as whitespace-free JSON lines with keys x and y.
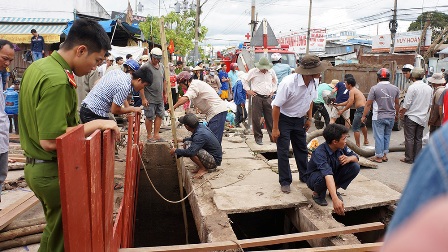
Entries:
{"x":438,"y":22}
{"x":179,"y":27}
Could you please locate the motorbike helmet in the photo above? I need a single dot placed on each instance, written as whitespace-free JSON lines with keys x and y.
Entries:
{"x":276,"y":56}
{"x":318,"y":120}
{"x":407,"y":68}
{"x":383,"y":74}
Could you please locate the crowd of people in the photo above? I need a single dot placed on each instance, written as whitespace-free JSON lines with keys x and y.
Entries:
{"x":82,"y":83}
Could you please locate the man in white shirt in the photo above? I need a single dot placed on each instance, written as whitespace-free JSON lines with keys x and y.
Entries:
{"x":415,"y":111}
{"x":260,"y":85}
{"x":292,"y":113}
{"x":205,"y":98}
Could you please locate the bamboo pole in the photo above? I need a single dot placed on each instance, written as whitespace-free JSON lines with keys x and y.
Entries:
{"x":19,"y":242}
{"x":173,"y":121}
{"x":20,"y":232}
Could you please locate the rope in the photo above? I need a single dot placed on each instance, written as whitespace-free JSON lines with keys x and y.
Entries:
{"x":238,"y":244}
{"x":161,"y":196}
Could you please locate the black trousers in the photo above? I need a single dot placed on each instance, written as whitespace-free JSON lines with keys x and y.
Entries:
{"x":86,"y":115}
{"x":413,"y":135}
{"x":343,"y":176}
{"x":261,"y":106}
{"x":241,"y":114}
{"x":323,"y":111}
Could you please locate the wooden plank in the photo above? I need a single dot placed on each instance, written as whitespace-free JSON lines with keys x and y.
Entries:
{"x":264,"y":241}
{"x":93,"y":149}
{"x":107,"y":168}
{"x":118,"y":230}
{"x":8,"y":214}
{"x":376,"y":246}
{"x":74,"y":182}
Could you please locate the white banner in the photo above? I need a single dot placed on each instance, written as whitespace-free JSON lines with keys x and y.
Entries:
{"x":297,"y":43}
{"x":406,"y":41}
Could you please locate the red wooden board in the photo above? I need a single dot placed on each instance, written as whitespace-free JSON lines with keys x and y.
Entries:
{"x":93,"y":148}
{"x":74,"y":184}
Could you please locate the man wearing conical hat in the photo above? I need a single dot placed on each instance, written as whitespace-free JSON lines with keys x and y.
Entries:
{"x":260,"y":85}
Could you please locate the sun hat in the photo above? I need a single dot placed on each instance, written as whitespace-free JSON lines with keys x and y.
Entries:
{"x":311,"y":64}
{"x":132,"y":64}
{"x":144,"y":57}
{"x":191,"y":120}
{"x":183,"y":76}
{"x":333,"y":83}
{"x":263,"y":64}
{"x":197,"y":68}
{"x":437,"y":78}
{"x":417,"y":72}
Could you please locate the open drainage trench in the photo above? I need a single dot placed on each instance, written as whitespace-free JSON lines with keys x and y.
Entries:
{"x":159,"y":223}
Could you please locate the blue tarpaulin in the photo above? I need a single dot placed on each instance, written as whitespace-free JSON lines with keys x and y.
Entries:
{"x":108,"y":26}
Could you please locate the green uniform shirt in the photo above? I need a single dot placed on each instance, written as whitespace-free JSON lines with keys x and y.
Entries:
{"x":47,"y":106}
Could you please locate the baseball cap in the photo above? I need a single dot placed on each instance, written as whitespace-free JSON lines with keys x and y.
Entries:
{"x":191,"y":120}
{"x":156,"y":53}
{"x":276,"y":56}
{"x":132,"y":64}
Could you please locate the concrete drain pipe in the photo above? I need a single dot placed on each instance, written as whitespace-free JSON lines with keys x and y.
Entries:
{"x":360,"y":151}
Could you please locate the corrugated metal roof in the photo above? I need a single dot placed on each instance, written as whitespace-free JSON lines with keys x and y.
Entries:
{"x":15,"y":25}
{"x":26,"y":28}
{"x":33,"y":20}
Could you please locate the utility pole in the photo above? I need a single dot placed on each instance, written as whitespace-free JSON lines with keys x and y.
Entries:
{"x":393,"y":25}
{"x":253,"y":22}
{"x":308,"y":33}
{"x":196,"y":32}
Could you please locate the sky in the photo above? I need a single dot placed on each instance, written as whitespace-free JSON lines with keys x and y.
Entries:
{"x":228,"y":20}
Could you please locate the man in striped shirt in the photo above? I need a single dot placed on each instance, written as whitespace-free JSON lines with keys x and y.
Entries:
{"x":110,"y":94}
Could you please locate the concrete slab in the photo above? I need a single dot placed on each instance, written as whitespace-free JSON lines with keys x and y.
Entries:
{"x":255,"y":198}
{"x":238,"y":153}
{"x":233,"y":170}
{"x":362,"y":193}
{"x":14,"y":175}
{"x":274,"y":165}
{"x":266,"y":147}
{"x":233,"y":142}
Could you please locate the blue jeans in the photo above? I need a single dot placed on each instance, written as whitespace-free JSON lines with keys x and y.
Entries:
{"x":382,"y":128}
{"x":291,"y":130}
{"x":428,"y":179}
{"x":216,"y":125}
{"x":36,"y":55}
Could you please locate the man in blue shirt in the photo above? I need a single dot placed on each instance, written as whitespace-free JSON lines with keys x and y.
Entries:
{"x":342,"y":94}
{"x":332,"y":166}
{"x":37,"y":45}
{"x":239,"y":97}
{"x":224,"y":78}
{"x":202,"y":147}
{"x":280,"y":69}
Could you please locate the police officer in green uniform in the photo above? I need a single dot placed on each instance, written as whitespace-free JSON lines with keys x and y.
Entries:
{"x":48,"y":109}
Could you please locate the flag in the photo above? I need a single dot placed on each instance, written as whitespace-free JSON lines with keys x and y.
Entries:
{"x":171,"y":46}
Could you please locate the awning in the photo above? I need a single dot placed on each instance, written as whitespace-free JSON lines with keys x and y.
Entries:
{"x":18,"y":30}
{"x":108,"y":26}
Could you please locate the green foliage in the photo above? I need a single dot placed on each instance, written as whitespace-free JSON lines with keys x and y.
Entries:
{"x":179,"y":27}
{"x":438,"y":21}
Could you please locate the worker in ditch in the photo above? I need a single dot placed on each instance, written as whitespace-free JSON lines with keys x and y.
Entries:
{"x":203,"y":148}
{"x":48,"y":109}
{"x":332,"y":166}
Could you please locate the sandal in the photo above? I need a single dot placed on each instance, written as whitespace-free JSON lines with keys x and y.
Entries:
{"x":385,"y":159}
{"x":406,"y":161}
{"x":373,"y":159}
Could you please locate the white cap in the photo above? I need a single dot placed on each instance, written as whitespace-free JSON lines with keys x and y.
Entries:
{"x":276,"y":56}
{"x":408,"y":66}
{"x":156,"y":52}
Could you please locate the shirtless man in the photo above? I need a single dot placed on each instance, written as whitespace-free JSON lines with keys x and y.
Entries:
{"x":355,"y":97}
